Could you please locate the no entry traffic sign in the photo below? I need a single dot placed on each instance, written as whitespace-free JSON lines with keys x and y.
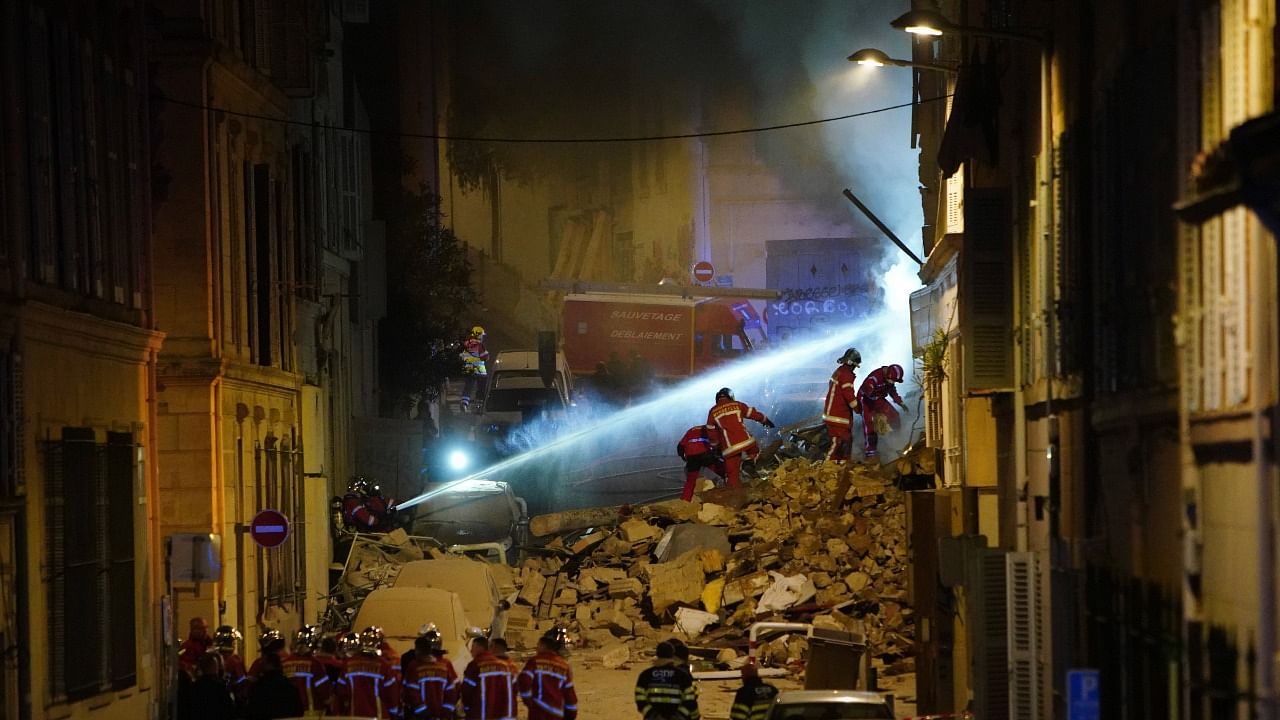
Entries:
{"x":703,"y":271}
{"x":269,"y":528}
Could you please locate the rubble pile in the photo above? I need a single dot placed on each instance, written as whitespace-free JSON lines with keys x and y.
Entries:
{"x":810,"y":543}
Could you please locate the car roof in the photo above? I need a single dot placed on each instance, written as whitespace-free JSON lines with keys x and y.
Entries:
{"x":849,"y":696}
{"x":401,"y":611}
{"x":472,"y":580}
{"x":521,"y":360}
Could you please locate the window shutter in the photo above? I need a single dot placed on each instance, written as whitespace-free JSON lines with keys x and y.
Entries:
{"x":1026,"y":680}
{"x":953,"y":199}
{"x":994,"y":653}
{"x":81,"y":520}
{"x":120,"y":605}
{"x":290,"y":45}
{"x":55,"y":561}
{"x":987,"y":300}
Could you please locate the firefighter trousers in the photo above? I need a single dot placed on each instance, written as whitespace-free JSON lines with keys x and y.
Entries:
{"x":870,"y":409}
{"x":841,"y":441}
{"x":693,"y":470}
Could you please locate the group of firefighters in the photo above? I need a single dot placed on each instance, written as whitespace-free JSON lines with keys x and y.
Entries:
{"x":723,"y":442}
{"x":359,"y":674}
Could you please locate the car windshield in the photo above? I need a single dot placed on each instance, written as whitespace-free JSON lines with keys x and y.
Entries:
{"x":831,"y":711}
{"x":523,"y":399}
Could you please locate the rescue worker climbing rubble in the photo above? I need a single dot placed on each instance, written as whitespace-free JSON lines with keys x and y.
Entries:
{"x":306,"y":672}
{"x":474,"y":356}
{"x":546,"y":682}
{"x":726,"y":420}
{"x":430,"y":682}
{"x":698,"y":449}
{"x":488,"y":686}
{"x":837,"y":411}
{"x":365,"y":509}
{"x":369,"y":685}
{"x":878,"y":416}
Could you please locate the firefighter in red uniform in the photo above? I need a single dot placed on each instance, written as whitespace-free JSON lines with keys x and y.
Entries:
{"x":364,"y":509}
{"x":225,"y":639}
{"x":837,"y":411}
{"x":488,"y":685}
{"x":430,"y":682}
{"x":369,"y":686}
{"x":270,"y":641}
{"x":698,"y":449}
{"x":306,"y":672}
{"x":196,"y":645}
{"x":327,"y":654}
{"x":726,"y":420}
{"x":546,"y":683}
{"x":873,"y":401}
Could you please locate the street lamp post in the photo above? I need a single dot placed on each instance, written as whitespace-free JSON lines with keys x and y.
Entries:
{"x":877,"y":58}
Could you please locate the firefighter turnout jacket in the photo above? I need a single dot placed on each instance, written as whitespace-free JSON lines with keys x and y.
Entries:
{"x":878,"y":386}
{"x":666,"y":692}
{"x":698,"y":440}
{"x":753,"y":700}
{"x":489,"y":689}
{"x":430,"y":687}
{"x":546,"y":686}
{"x":841,"y":397}
{"x":310,"y":678}
{"x":369,"y":687}
{"x":727,"y":421}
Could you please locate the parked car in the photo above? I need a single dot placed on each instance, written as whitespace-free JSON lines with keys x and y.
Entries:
{"x":473,"y":580}
{"x":519,"y":413}
{"x":524,"y":364}
{"x":402,"y":611}
{"x":830,"y":705}
{"x":471,"y":511}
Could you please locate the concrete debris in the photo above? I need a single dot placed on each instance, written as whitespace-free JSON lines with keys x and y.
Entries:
{"x":615,"y":656}
{"x":792,"y":548}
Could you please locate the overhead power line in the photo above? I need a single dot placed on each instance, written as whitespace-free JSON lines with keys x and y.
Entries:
{"x":546,"y":140}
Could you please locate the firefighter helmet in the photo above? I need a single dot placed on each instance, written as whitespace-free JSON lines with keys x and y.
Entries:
{"x":477,"y":331}
{"x":349,"y":644}
{"x":359,"y":486}
{"x":429,"y":639}
{"x":851,"y":357}
{"x":270,"y":640}
{"x":894,"y":373}
{"x":307,"y":639}
{"x":557,"y":638}
{"x":724,"y":392}
{"x":371,"y":640}
{"x":226,"y":637}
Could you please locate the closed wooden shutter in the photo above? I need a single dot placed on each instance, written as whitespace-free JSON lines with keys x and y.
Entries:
{"x":120,"y":481}
{"x":993,"y":653}
{"x":1026,"y":678}
{"x":987,"y":284}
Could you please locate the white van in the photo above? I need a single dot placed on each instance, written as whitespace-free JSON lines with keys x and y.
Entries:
{"x":524,"y":364}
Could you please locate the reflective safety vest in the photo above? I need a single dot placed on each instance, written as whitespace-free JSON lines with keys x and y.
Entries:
{"x":753,"y":700}
{"x":473,"y":356}
{"x":666,"y":691}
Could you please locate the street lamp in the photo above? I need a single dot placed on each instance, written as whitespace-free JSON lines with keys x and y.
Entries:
{"x":932,"y":24}
{"x":877,"y":58}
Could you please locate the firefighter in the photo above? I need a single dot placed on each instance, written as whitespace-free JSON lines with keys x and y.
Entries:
{"x":546,"y":683}
{"x":698,"y":450}
{"x":195,"y":646}
{"x":365,"y":509}
{"x":488,"y":687}
{"x":369,"y":686}
{"x":754,"y":698}
{"x":225,"y":641}
{"x":726,"y":421}
{"x":474,"y":357}
{"x":837,"y":411}
{"x":665,"y":691}
{"x":430,"y":682}
{"x":270,"y":642}
{"x":327,"y":654}
{"x":502,"y":651}
{"x":307,"y":672}
{"x":874,"y":405}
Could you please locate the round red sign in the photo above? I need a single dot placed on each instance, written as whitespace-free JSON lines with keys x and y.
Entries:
{"x":269,"y":528}
{"x":703,"y":271}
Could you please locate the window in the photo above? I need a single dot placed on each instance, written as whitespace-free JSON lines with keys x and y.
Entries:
{"x":90,"y":512}
{"x":282,"y":570}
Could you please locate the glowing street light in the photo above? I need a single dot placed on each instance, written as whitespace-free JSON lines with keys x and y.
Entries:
{"x":932,"y":24}
{"x":877,"y":58}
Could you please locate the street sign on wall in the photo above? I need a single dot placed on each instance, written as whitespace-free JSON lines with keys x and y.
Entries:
{"x":1084,"y":696}
{"x":703,"y":271}
{"x":269,"y":528}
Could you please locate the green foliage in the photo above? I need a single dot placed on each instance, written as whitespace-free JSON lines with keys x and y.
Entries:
{"x":429,"y":291}
{"x":933,"y":356}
